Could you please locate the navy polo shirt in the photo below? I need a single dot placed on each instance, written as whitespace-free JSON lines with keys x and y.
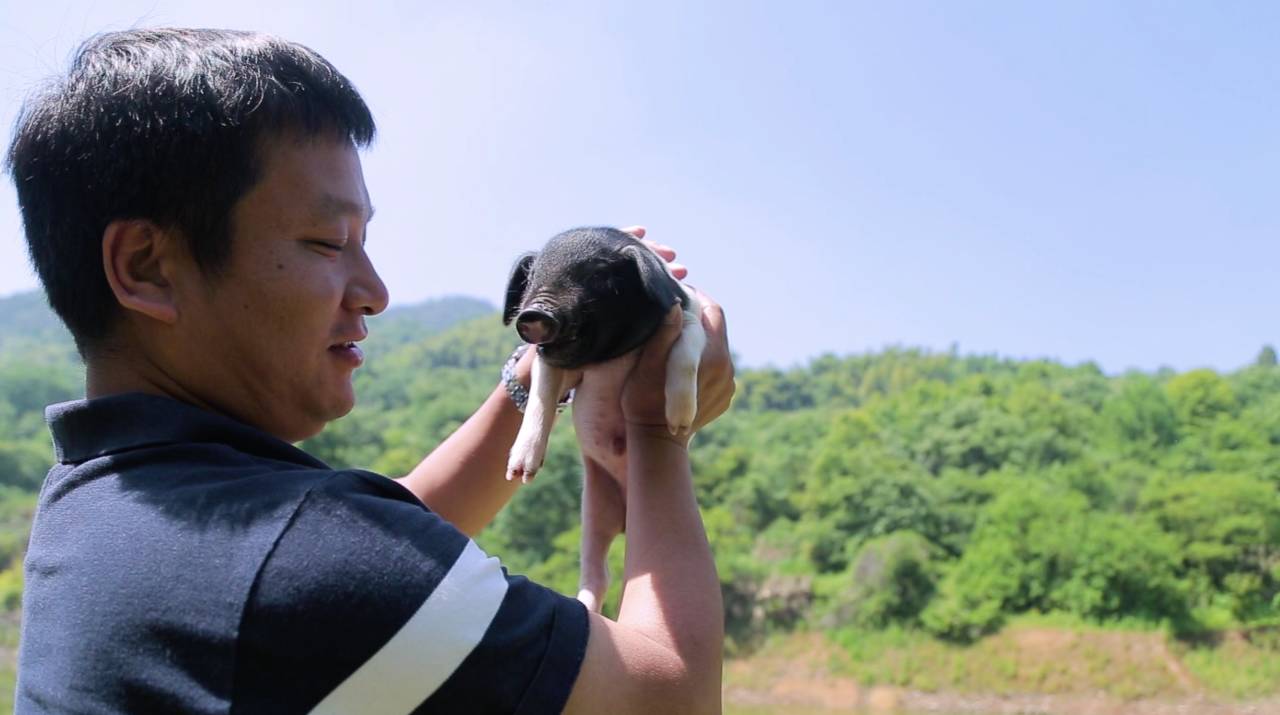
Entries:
{"x":183,"y":562}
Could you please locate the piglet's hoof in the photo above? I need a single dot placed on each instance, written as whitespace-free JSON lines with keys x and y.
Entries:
{"x":519,"y":471}
{"x":523,"y":465}
{"x":682,"y":408}
{"x":526,"y":456}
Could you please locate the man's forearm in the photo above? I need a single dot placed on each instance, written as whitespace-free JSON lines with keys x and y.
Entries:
{"x":462,"y":479}
{"x":672,"y":590}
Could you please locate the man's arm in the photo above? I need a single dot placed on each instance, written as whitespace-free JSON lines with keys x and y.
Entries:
{"x":462,"y":479}
{"x":664,"y":652}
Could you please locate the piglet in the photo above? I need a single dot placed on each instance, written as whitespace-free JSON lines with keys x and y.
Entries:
{"x":589,"y":300}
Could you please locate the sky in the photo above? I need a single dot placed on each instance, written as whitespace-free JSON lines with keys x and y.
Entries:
{"x":1080,"y":181}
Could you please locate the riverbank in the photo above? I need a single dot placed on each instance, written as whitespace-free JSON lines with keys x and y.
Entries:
{"x":1023,"y":670}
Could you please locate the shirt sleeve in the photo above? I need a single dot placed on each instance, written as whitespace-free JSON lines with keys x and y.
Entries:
{"x":371,"y":603}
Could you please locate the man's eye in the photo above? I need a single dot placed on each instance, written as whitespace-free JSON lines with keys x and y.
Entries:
{"x":326,"y":245}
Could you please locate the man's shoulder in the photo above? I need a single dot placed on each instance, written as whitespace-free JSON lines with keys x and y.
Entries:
{"x":358,"y":560}
{"x":361,"y":539}
{"x":169,"y":538}
{"x":407,"y":611}
{"x":364,"y":486}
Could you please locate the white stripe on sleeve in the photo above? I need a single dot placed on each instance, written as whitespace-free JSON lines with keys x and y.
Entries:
{"x":429,"y":646}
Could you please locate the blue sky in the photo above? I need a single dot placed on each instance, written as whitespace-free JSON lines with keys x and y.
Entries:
{"x":1074,"y":180}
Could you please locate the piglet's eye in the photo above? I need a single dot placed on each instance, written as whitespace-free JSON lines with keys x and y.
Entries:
{"x":603,"y":281}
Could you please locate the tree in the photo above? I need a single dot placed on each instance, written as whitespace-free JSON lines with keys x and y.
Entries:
{"x":971,"y":433}
{"x":1043,"y":549}
{"x":1228,"y":531}
{"x":1140,"y":416}
{"x":1200,"y":395}
{"x":891,"y":581}
{"x":857,"y":489}
{"x":1267,"y":357}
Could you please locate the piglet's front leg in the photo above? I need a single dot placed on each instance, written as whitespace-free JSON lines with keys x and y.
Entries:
{"x":682,"y":371}
{"x":530,"y":447}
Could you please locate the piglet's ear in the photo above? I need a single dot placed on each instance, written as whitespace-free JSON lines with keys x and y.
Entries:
{"x":653,"y":275}
{"x":516,"y":284}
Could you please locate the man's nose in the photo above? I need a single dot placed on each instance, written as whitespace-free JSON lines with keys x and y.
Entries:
{"x":366,"y":292}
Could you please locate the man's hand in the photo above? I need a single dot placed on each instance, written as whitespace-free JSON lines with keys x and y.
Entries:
{"x":644,"y":394}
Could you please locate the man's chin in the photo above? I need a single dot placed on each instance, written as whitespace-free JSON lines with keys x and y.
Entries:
{"x":336,"y":407}
{"x":344,"y":401}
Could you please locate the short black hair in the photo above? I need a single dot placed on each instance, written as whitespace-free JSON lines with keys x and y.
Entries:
{"x":166,"y":125}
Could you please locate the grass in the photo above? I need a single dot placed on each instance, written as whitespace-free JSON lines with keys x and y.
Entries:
{"x":16,"y":509}
{"x":1023,"y":658}
{"x":1240,"y":664}
{"x":1060,"y":654}
{"x":8,"y":659}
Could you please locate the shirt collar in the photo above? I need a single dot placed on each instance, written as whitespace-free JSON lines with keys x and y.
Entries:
{"x":84,"y":429}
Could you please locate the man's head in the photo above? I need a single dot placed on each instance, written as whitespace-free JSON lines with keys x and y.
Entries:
{"x":193,"y":200}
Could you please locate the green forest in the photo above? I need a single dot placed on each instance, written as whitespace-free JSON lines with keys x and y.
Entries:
{"x":935,"y":493}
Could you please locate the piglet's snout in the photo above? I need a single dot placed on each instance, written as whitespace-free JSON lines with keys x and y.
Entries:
{"x":537,"y":326}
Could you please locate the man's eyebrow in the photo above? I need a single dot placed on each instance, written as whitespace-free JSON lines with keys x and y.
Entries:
{"x":330,"y":206}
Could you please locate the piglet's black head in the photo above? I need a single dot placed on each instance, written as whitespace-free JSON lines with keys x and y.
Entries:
{"x":591,"y":295}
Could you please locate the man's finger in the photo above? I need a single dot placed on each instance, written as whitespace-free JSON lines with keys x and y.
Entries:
{"x":712,"y":313}
{"x":637,"y":231}
{"x":667,"y":253}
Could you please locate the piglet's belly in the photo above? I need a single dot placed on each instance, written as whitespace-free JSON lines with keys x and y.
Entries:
{"x":597,"y":413}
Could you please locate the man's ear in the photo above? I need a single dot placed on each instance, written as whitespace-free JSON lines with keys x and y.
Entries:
{"x":654,"y":277}
{"x":516,"y":284}
{"x":137,"y":257}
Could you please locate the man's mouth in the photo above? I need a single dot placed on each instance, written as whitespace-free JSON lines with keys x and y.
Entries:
{"x":348,"y":352}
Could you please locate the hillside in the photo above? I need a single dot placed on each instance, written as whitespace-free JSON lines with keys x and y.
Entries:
{"x":39,"y":366}
{"x":27,"y":316}
{"x":26,"y":320}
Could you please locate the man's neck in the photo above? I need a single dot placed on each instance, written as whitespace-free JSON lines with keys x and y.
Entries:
{"x":114,"y":369}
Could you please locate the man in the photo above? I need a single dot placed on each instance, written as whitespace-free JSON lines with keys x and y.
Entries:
{"x":195,"y":208}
